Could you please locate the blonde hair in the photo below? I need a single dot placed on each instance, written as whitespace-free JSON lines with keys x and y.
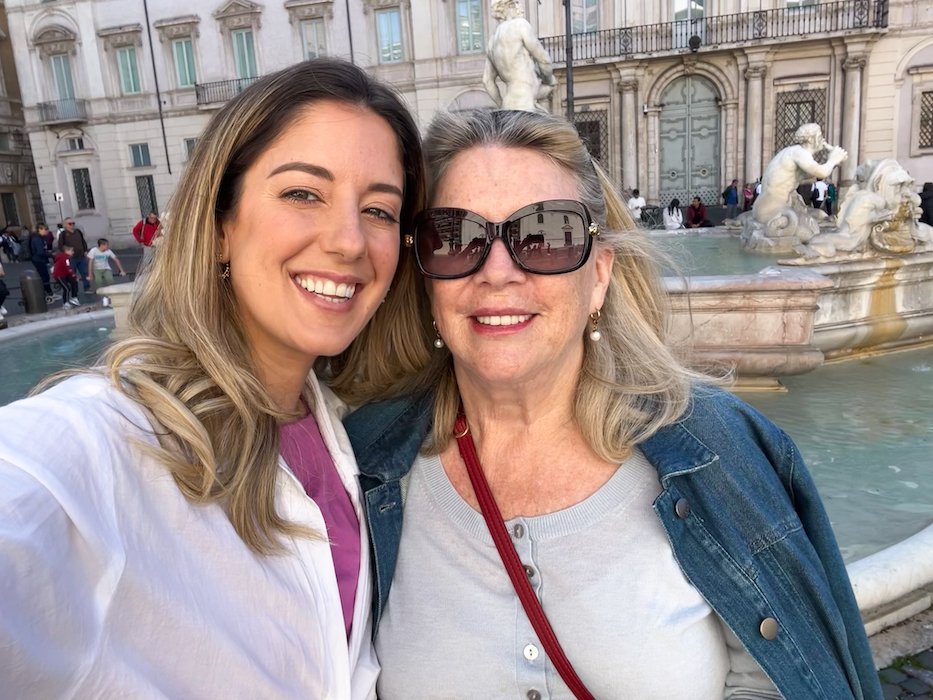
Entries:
{"x":187,"y":359}
{"x":631,"y":383}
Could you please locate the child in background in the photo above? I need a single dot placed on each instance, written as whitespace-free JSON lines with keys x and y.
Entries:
{"x":64,"y":274}
{"x":100,"y":256}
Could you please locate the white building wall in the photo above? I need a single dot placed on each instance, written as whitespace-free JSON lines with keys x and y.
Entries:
{"x":433,"y":76}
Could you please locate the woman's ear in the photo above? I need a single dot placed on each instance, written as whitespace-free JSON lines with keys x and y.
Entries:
{"x":605,"y":258}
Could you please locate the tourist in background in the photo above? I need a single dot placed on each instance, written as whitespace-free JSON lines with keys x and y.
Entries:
{"x":730,"y":197}
{"x":818,"y":193}
{"x":657,"y":517}
{"x":4,"y":292}
{"x":63,"y":272}
{"x":101,"y":257}
{"x":199,"y":534}
{"x":748,"y":196}
{"x":673,"y":216}
{"x":696,"y":215}
{"x":635,"y":204}
{"x":40,"y":254}
{"x":146,"y":232}
{"x":926,"y":204}
{"x":73,"y":237}
{"x":831,"y":195}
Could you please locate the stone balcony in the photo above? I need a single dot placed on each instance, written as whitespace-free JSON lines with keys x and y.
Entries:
{"x":760,"y":27}
{"x":221,"y":91}
{"x":69,"y":111}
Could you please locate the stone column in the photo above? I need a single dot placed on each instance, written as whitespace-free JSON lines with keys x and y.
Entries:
{"x":754,"y":119}
{"x":629,"y":88}
{"x":654,"y":156}
{"x":852,"y":117}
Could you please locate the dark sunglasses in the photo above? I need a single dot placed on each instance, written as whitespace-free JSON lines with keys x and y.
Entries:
{"x":545,"y":238}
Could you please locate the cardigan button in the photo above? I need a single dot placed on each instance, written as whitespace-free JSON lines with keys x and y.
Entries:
{"x":769,"y":628}
{"x":682,"y":508}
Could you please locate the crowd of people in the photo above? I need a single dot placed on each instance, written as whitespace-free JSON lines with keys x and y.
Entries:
{"x":220,"y":524}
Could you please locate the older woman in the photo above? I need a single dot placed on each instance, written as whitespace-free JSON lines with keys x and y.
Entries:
{"x":583,"y":517}
{"x":193,"y":527}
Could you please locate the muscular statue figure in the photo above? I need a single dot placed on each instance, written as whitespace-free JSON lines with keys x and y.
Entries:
{"x":516,"y":57}
{"x":778,"y":212}
{"x":880,"y":214}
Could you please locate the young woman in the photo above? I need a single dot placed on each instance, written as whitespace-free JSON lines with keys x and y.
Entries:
{"x":183,"y":520}
{"x":673,"y":216}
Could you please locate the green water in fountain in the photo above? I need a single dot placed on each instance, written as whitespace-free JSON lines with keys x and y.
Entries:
{"x":712,"y":253}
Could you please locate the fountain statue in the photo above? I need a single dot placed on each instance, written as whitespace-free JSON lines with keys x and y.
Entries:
{"x":879,"y":214}
{"x":518,"y":60}
{"x":779,"y":218}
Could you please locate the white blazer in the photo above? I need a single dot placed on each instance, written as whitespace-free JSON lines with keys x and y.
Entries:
{"x":673,"y":221}
{"x":114,"y":585}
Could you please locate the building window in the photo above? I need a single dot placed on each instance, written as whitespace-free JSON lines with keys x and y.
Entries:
{"x":74,"y":143}
{"x":129,"y":73}
{"x":145,"y":193}
{"x":469,"y":26}
{"x":800,"y":3}
{"x":389,"y":35}
{"x":139,"y":155}
{"x":584,"y":16}
{"x":189,"y":145}
{"x":313,"y":39}
{"x":84,"y":194}
{"x":794,"y":109}
{"x":593,"y":127}
{"x":926,"y":120}
{"x":244,"y":53}
{"x":183,"y":51}
{"x":61,"y":74}
{"x":10,"y":212}
{"x":688,"y":9}
{"x":6,"y":141}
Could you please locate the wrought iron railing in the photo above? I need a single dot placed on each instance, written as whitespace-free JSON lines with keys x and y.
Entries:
{"x":781,"y":23}
{"x":60,"y":111}
{"x":222,"y":90}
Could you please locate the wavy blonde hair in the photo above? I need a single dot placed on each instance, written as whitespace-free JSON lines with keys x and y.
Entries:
{"x":632,"y":382}
{"x":186,"y":358}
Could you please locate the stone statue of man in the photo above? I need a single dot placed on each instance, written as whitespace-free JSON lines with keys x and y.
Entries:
{"x":779,"y":220}
{"x":517,"y":58}
{"x":792,"y":166}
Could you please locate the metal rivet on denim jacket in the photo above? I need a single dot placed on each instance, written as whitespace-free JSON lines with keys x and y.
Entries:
{"x":682,"y":508}
{"x":769,"y":628}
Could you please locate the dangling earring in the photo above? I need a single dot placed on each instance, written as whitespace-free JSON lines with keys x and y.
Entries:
{"x":595,"y":335}
{"x":224,"y":271}
{"x":438,"y":341}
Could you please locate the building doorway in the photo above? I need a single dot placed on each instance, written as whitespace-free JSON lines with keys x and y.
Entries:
{"x":690,"y":142}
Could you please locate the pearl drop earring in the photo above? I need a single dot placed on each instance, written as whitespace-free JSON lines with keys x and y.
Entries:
{"x":438,"y":341}
{"x":595,"y":335}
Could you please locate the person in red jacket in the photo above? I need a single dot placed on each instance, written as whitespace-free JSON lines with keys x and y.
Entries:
{"x":146,"y":231}
{"x":696,"y":215}
{"x":64,"y":274}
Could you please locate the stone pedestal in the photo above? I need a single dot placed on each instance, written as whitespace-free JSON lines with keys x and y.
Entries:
{"x":120,"y":296}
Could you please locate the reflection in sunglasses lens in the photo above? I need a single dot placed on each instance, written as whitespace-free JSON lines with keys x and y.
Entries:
{"x":451,"y":244}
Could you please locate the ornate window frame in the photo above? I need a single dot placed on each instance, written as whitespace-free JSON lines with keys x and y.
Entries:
{"x":370,"y":7}
{"x":240,"y":14}
{"x":124,"y":36}
{"x":175,"y":29}
{"x":922,"y":81}
{"x":300,"y":11}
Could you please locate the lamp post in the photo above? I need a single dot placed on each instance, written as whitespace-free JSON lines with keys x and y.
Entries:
{"x":569,"y":60}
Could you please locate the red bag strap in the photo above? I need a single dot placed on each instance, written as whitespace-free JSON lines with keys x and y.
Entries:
{"x":512,"y":563}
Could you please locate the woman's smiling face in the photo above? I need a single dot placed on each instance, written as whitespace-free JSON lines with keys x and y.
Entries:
{"x":313,"y":240}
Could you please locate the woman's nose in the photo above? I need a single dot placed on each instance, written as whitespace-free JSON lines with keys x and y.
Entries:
{"x":499,"y":266}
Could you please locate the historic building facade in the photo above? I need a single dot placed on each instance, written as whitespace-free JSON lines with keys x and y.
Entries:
{"x":676,"y":98}
{"x":20,"y":204}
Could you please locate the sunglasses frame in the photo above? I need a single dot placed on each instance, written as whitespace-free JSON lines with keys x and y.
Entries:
{"x":497,"y":229}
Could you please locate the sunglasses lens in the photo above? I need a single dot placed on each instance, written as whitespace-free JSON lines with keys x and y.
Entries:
{"x":447,"y":244}
{"x":549,"y":241}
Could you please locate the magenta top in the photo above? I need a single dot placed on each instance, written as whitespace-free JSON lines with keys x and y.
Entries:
{"x":306,"y":454}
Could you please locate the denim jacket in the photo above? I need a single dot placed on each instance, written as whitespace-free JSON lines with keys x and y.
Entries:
{"x":744,"y":519}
